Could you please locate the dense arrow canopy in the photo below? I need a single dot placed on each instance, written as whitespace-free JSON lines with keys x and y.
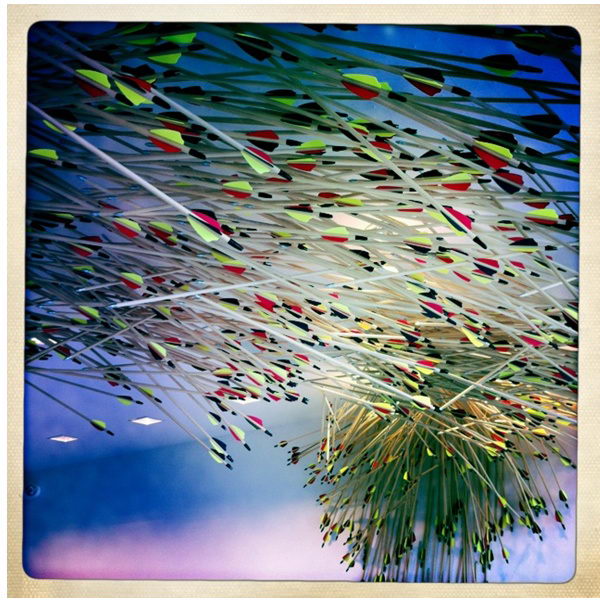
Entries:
{"x":227,"y":211}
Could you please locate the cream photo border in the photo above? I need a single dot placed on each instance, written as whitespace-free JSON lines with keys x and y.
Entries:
{"x":586,"y":19}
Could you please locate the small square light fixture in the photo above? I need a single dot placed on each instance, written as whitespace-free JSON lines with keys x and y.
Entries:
{"x":146,"y":421}
{"x":63,"y":439}
{"x":246,"y":401}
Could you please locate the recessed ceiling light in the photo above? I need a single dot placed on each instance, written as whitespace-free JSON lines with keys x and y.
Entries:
{"x":64,"y":439}
{"x":246,"y":401}
{"x":146,"y":421}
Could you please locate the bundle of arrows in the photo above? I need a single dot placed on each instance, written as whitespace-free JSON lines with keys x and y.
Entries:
{"x":241,"y":212}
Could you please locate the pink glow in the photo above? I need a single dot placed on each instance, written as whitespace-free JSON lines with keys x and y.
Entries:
{"x":284,"y":544}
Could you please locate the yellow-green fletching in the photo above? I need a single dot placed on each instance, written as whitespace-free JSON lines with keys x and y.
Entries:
{"x":456,"y":258}
{"x":485,"y":279}
{"x":222,"y":372}
{"x":170,"y":135}
{"x":422,"y":241}
{"x":211,"y":419}
{"x":78,"y":321}
{"x":462,"y":177}
{"x":243,"y":186}
{"x":269,"y":296}
{"x":90,"y":312}
{"x":252,"y":389}
{"x":300,"y":215}
{"x":421,"y":79}
{"x":306,"y":161}
{"x":134,"y":278}
{"x":240,"y":433}
{"x":572,"y":312}
{"x":548,"y":214}
{"x":283,"y":100}
{"x":226,"y":260}
{"x":539,"y":431}
{"x":162,"y":226}
{"x":296,"y":330}
{"x":48,"y":153}
{"x":336,"y":231}
{"x":216,"y":446}
{"x":158,"y":349}
{"x":562,"y":339}
{"x":167,"y":59}
{"x":424,"y":370}
{"x":370,"y":153}
{"x":350,"y":201}
{"x":416,"y":288}
{"x":341,"y":307}
{"x":146,"y":390}
{"x":229,"y":305}
{"x":260,"y":167}
{"x":165,"y":310}
{"x":358,"y":125}
{"x":259,"y":377}
{"x":369,"y":80}
{"x":55,"y":128}
{"x":120,"y":323}
{"x":281,"y":372}
{"x":65,"y":216}
{"x":180,"y":38}
{"x":207,"y":234}
{"x":215,"y":456}
{"x":442,"y":219}
{"x":536,"y":413}
{"x":132,"y":96}
{"x":495,"y":148}
{"x":129,"y":224}
{"x":473,"y":338}
{"x":312,"y":145}
{"x":383,"y":407}
{"x":96,"y":76}
{"x":411,"y":384}
{"x":423,"y":401}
